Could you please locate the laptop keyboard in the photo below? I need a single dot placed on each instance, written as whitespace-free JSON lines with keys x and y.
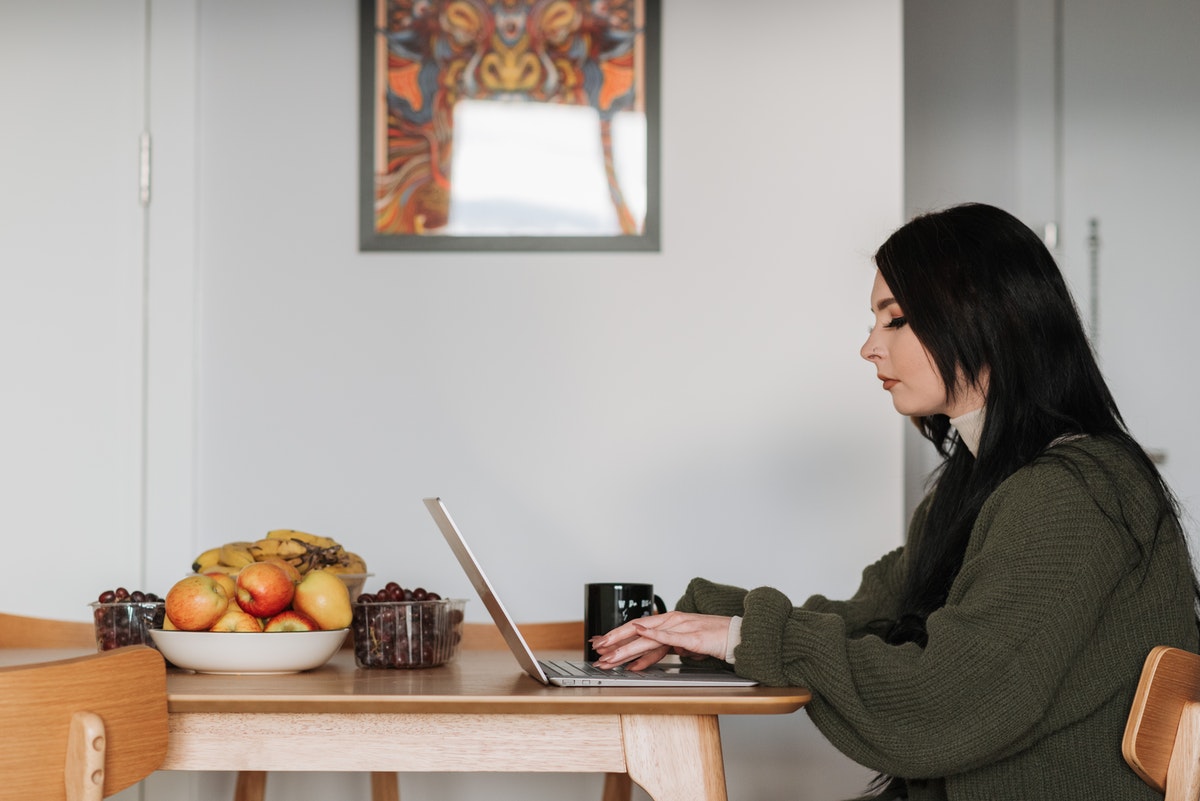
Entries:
{"x":586,"y":670}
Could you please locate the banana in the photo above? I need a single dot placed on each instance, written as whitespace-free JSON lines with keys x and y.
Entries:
{"x":268,"y":547}
{"x":302,"y":550}
{"x":228,"y":570}
{"x":302,"y":536}
{"x":265,"y":549}
{"x":280,"y":534}
{"x":305,"y":551}
{"x":236,"y":554}
{"x":347,"y":562}
{"x":205,"y":560}
{"x":290,"y":549}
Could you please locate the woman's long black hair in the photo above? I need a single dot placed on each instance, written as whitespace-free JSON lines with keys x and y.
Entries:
{"x":987,"y":300}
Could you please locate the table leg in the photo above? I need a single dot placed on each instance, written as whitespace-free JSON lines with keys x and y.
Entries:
{"x":251,"y":785}
{"x":617,"y":787}
{"x":385,"y":786}
{"x":661,"y":753}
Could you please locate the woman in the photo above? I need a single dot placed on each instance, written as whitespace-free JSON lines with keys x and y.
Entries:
{"x":995,"y":655}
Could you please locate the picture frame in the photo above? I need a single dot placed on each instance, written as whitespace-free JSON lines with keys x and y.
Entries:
{"x":509,"y":125}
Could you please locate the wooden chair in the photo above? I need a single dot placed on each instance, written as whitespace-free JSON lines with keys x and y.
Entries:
{"x":82,"y":729}
{"x":1162,"y":734}
{"x":476,"y":637}
{"x":18,"y":631}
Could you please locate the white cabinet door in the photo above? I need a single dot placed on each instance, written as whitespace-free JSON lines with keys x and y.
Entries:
{"x":71,"y":111}
{"x":1131,"y":163}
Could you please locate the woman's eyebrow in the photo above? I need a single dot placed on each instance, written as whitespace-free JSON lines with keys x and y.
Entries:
{"x":884,"y":303}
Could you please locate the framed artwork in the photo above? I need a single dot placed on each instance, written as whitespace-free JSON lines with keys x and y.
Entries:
{"x":509,"y":125}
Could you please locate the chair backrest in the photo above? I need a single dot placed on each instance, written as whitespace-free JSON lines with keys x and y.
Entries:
{"x":540,"y":636}
{"x":1162,"y":734}
{"x":17,"y":631}
{"x":82,"y":728}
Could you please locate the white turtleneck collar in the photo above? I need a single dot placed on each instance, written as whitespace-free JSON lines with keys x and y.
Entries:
{"x":970,"y":429}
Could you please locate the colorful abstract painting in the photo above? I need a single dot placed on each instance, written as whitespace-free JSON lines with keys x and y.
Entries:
{"x":444,"y":76}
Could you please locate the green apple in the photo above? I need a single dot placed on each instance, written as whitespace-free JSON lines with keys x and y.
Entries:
{"x":323,"y":597}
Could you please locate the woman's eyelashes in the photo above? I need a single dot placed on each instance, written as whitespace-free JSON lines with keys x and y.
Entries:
{"x":896,"y":322}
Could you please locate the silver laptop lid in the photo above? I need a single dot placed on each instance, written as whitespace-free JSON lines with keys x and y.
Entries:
{"x":508,"y":628}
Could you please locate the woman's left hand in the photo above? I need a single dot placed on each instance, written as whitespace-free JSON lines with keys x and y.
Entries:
{"x":640,"y":643}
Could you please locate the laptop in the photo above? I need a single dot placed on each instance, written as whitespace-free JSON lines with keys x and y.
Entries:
{"x":568,"y":673}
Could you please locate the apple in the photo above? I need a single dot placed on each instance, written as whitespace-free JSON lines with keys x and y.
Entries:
{"x":264,"y":589}
{"x":236,"y":619}
{"x":195,"y":603}
{"x":291,"y":620}
{"x":323,"y":597}
{"x":227,"y":583}
{"x":292,"y":571}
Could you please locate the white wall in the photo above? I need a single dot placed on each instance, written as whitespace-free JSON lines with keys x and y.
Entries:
{"x":699,"y":411}
{"x":573,"y":409}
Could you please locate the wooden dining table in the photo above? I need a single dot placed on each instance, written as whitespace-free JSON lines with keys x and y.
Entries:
{"x":479,"y":712}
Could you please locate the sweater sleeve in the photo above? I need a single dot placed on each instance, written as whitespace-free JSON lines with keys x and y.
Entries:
{"x":876,"y":599}
{"x":1044,"y":560}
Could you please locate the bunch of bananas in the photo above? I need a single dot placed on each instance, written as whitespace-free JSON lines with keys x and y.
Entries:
{"x":299,"y":548}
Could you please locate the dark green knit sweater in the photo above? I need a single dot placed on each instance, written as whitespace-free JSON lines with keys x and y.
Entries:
{"x":1030,"y":668}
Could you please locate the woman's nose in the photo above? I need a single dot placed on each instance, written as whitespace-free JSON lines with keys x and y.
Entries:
{"x":870,"y":348}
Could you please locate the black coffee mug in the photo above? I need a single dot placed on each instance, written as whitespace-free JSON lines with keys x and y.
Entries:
{"x":608,"y":605}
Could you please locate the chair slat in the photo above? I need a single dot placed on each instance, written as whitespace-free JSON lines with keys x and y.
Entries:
{"x":18,"y":631}
{"x":125,"y":687}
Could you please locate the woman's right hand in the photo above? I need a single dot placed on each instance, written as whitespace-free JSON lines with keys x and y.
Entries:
{"x":640,"y":643}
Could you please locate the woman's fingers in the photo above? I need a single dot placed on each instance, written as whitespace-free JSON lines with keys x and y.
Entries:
{"x":698,"y":635}
{"x":649,"y":658}
{"x":642,"y":642}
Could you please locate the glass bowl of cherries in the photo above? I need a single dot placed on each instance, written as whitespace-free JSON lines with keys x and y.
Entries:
{"x":122,"y":618}
{"x":398,"y":627}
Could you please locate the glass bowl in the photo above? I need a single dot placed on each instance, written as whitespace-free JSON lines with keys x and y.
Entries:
{"x":354,"y":582}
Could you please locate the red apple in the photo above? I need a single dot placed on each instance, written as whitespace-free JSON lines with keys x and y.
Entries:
{"x":264,"y":589}
{"x":291,"y":620}
{"x":195,"y":603}
{"x":323,"y":597}
{"x":235,"y":619}
{"x":288,"y":567}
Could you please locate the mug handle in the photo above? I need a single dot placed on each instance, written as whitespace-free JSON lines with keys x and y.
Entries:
{"x":659,"y":605}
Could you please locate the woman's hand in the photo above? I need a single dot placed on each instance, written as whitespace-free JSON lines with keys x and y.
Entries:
{"x":640,"y":643}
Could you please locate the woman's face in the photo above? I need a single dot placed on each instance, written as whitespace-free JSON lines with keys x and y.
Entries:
{"x":905,"y":367}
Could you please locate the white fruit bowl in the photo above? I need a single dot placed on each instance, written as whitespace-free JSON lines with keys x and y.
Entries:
{"x":248,"y":652}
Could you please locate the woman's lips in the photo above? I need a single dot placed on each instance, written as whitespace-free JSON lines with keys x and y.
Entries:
{"x":888,"y":383}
